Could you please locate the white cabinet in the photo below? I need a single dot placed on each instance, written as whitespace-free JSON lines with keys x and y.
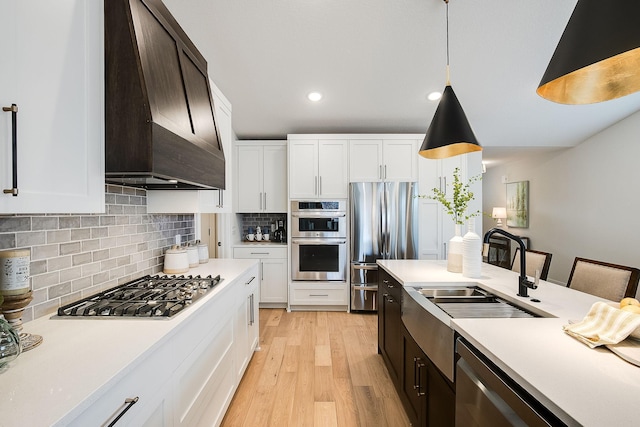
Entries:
{"x":203,"y":201}
{"x":189,"y":378}
{"x":374,"y":160}
{"x":318,"y":168}
{"x":273,"y":272}
{"x":246,"y":322}
{"x":316,"y":295}
{"x":261,"y":176}
{"x":53,"y":70}
{"x":436,"y":226}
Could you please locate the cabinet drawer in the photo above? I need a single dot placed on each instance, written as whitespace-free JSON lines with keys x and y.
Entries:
{"x":260,"y":252}
{"x":318,"y":296}
{"x":389,"y":285}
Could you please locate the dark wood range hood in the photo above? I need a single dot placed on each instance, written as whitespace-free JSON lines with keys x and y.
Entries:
{"x":160,"y":129}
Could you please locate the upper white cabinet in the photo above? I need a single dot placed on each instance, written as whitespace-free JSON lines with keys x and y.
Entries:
{"x":203,"y":201}
{"x":374,"y":160}
{"x":318,"y":167}
{"x":261,"y":176}
{"x":53,"y":71}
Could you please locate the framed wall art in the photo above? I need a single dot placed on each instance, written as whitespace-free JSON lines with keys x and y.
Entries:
{"x":518,"y":204}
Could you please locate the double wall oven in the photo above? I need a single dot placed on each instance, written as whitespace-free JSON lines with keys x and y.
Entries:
{"x":319,"y":240}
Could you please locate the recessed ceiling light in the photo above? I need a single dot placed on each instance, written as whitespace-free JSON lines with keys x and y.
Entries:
{"x":314,"y":96}
{"x":434,"y":96}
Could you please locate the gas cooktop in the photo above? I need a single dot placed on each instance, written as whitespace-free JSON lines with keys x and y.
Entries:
{"x":147,"y":297}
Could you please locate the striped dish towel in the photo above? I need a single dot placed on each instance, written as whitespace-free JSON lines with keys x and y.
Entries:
{"x":603,"y":325}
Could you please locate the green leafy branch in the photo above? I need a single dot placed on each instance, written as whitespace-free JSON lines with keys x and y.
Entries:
{"x":462,"y":195}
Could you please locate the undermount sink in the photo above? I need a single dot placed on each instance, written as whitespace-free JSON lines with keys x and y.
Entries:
{"x":470,"y":301}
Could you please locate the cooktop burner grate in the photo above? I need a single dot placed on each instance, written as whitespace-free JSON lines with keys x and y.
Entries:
{"x":149,"y":296}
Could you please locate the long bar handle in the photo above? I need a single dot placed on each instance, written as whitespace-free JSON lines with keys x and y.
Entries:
{"x":129,"y":402}
{"x":14,"y":147}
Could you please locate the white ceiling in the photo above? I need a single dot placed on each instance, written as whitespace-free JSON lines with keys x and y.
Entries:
{"x":375,"y":61}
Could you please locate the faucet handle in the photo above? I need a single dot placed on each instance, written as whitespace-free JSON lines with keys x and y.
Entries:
{"x":537,"y":278}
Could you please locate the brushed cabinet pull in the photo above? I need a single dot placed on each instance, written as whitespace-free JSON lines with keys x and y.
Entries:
{"x":265,"y":201}
{"x":385,"y":171}
{"x":315,"y":185}
{"x":14,"y":148}
{"x":445,"y":185}
{"x":250,"y":280}
{"x":320,"y":186}
{"x":129,"y":402}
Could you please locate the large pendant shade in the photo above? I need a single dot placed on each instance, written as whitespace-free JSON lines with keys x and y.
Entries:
{"x":598,"y":56}
{"x":449,"y":133}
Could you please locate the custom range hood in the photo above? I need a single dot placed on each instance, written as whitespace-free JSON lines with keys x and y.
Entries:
{"x":159,"y":121}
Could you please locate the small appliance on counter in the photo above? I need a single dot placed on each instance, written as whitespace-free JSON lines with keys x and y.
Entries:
{"x":280,"y":233}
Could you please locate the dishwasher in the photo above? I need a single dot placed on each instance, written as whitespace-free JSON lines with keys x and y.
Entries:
{"x":486,"y":396}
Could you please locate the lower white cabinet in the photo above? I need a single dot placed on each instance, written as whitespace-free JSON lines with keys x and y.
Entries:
{"x":189,"y":378}
{"x":273,"y":272}
{"x":314,"y":294}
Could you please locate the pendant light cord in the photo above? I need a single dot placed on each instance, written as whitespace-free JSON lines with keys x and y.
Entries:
{"x":447,"y":2}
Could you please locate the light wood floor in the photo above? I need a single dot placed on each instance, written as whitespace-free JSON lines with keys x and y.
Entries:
{"x":316,"y":369}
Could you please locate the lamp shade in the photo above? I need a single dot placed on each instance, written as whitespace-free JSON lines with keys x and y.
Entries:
{"x":449,"y":133}
{"x":499,"y":213}
{"x":598,"y":56}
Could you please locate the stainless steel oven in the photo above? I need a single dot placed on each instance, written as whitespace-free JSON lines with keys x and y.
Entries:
{"x":319,"y":240}
{"x":319,"y":218}
{"x":319,"y":259}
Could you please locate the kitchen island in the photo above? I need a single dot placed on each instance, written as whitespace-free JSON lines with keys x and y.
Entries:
{"x":579,"y":385}
{"x":183,"y":369}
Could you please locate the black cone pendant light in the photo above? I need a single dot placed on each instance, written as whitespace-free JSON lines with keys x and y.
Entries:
{"x":598,"y":56}
{"x":449,"y":133}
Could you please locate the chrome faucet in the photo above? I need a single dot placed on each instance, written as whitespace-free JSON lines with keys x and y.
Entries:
{"x":523,"y":282}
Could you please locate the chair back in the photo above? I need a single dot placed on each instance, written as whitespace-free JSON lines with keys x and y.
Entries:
{"x":535,"y":260}
{"x":609,"y":281}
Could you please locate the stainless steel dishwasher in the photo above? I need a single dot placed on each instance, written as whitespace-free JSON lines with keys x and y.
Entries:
{"x":486,"y":396}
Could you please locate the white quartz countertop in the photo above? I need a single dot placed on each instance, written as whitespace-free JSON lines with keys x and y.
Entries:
{"x":582,"y":386}
{"x":78,"y":357}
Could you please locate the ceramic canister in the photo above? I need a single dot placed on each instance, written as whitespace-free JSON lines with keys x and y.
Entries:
{"x":176,"y":261}
{"x":203,"y":253}
{"x":14,"y":271}
{"x":192,"y":254}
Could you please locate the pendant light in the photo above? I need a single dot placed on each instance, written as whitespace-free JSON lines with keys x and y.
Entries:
{"x":598,"y":56}
{"x":449,"y":133}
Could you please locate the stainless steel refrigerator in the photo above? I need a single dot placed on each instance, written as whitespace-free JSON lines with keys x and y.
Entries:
{"x":383,"y":219}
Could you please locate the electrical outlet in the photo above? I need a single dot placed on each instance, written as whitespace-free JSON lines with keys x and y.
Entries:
{"x":178,"y":239}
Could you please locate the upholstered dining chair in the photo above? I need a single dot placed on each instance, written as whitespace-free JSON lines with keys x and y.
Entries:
{"x":610,"y":281}
{"x":535,"y":260}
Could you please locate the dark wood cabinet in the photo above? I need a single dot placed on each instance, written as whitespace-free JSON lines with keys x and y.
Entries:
{"x":426,"y":394}
{"x":415,"y":380}
{"x":390,"y":337}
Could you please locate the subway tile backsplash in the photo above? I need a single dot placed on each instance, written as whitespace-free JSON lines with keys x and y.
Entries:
{"x":260,"y":219}
{"x":76,"y":255}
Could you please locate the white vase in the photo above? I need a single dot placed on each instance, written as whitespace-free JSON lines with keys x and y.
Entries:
{"x":471,"y":252}
{"x":454,"y":252}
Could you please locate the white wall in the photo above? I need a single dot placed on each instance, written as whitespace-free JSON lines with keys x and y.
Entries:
{"x":583,"y":201}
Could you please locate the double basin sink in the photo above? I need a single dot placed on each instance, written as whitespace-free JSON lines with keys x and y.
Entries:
{"x":468,"y":300}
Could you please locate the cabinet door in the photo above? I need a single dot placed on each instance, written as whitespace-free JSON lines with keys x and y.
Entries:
{"x":275,"y":178}
{"x":249,"y":172}
{"x":393,"y":339}
{"x":400,"y":160}
{"x":303,"y":169}
{"x":416,"y":380}
{"x":273,"y":286}
{"x":224,"y":198}
{"x":332,"y":169}
{"x":365,"y":160}
{"x":429,"y":224}
{"x":53,"y":70}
